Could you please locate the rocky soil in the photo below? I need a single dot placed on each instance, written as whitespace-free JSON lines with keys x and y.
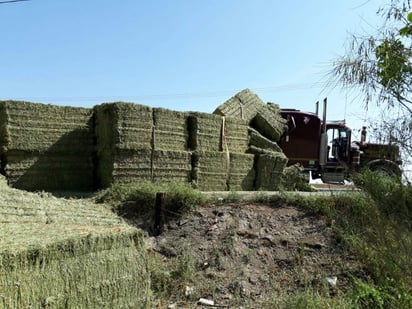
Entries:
{"x":243,"y":255}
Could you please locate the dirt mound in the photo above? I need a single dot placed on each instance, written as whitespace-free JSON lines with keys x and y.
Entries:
{"x":249,"y":253}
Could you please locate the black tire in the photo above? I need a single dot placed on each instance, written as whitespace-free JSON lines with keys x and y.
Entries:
{"x":385,"y":168}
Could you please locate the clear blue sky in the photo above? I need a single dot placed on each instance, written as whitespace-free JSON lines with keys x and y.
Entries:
{"x":179,"y":54}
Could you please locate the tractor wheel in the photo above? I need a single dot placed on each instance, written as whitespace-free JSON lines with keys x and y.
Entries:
{"x":385,"y":168}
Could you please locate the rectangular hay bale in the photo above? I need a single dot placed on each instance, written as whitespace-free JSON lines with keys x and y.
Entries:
{"x":269,"y":169}
{"x":44,"y":127}
{"x":123,"y":126}
{"x":126,"y":166}
{"x":103,"y":271}
{"x":205,"y":132}
{"x":242,"y":172}
{"x":171,"y":131}
{"x":172,"y":166}
{"x":68,"y":253}
{"x":258,"y":141}
{"x":269,"y":123}
{"x":210,"y":170}
{"x":236,"y":135}
{"x":244,"y":105}
{"x":49,"y":171}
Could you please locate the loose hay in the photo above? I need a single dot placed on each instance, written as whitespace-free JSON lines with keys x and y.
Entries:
{"x":68,"y":254}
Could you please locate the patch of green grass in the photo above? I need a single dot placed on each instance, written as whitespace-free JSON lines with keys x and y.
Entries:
{"x":181,"y":198}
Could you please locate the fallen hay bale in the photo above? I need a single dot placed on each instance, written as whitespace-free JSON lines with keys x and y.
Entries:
{"x":244,"y":105}
{"x":242,"y":172}
{"x":171,"y":132}
{"x":210,"y":170}
{"x":269,"y":123}
{"x":269,"y":170}
{"x":294,"y":179}
{"x":61,"y":253}
{"x":258,"y":141}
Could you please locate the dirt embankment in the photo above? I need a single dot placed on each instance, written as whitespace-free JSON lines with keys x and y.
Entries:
{"x":248,"y":253}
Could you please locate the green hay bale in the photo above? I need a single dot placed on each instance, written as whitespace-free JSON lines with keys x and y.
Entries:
{"x":123,"y":126}
{"x":210,"y":170}
{"x":242,"y":172}
{"x":205,"y":132}
{"x":3,"y":181}
{"x":172,"y":166}
{"x":258,"y":141}
{"x":171,"y":130}
{"x":132,"y":165}
{"x":3,"y":128}
{"x":44,"y":127}
{"x":62,"y":253}
{"x":270,"y":123}
{"x":244,"y":105}
{"x":49,"y":171}
{"x":269,"y":170}
{"x":104,"y":271}
{"x":236,"y":135}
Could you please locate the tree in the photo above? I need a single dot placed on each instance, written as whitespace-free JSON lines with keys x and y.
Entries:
{"x":379,"y":67}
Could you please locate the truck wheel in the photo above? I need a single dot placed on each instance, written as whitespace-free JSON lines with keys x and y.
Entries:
{"x":385,"y":168}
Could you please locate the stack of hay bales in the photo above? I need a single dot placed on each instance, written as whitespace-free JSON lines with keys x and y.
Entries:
{"x":266,"y":128}
{"x":213,"y":139}
{"x":210,"y":164}
{"x":138,"y":143}
{"x":46,"y":147}
{"x":123,"y":143}
{"x":172,"y":162}
{"x":59,"y":253}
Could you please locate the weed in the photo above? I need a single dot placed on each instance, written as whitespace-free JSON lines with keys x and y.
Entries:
{"x":181,"y":198}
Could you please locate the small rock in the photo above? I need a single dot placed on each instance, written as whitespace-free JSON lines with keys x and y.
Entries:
{"x":207,"y":302}
{"x":189,"y":290}
{"x":332,"y":280}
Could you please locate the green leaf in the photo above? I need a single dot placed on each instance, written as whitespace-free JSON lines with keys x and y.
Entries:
{"x":409,"y":17}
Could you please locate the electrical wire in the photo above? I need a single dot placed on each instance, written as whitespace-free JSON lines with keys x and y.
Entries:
{"x":11,"y":1}
{"x":192,"y":95}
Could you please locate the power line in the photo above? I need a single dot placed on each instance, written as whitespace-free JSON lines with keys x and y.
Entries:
{"x":11,"y":1}
{"x":186,"y":95}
